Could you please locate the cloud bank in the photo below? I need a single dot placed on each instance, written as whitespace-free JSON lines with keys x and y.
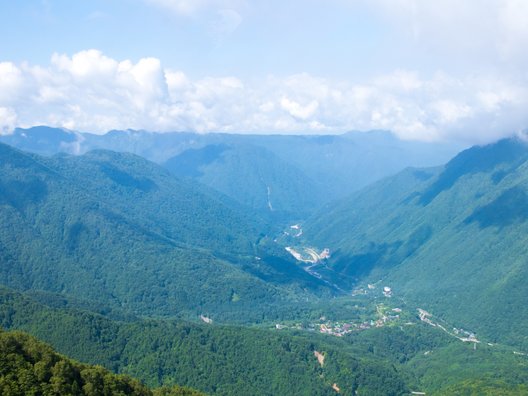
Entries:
{"x":89,"y":91}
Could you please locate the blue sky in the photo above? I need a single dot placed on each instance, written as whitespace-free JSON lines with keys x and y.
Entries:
{"x":248,"y":40}
{"x":427,"y":70}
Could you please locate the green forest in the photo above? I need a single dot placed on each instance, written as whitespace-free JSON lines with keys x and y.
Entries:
{"x":233,"y":360}
{"x":30,"y":367}
{"x":155,"y":282}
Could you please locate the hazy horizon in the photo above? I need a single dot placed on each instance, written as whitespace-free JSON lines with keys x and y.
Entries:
{"x":426,"y":71}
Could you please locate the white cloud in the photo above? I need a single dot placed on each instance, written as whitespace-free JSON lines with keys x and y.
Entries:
{"x":8,"y":120}
{"x":182,"y":7}
{"x":86,"y":64}
{"x":297,"y":110}
{"x":11,"y":80}
{"x":449,"y":112}
{"x":513,"y":29}
{"x":400,"y":80}
{"x":89,"y":91}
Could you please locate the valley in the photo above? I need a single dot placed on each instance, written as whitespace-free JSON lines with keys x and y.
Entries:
{"x":263,"y":198}
{"x":166,"y":278}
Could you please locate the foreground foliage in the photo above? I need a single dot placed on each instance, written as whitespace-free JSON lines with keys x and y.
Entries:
{"x":29,"y":367}
{"x":224,"y":360}
{"x":228,"y":360}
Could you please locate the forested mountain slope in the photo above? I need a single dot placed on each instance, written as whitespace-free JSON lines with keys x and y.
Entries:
{"x":118,"y":229}
{"x":253,"y":176}
{"x":116,"y":234}
{"x":452,"y":239}
{"x":229,"y":360}
{"x":222,"y":360}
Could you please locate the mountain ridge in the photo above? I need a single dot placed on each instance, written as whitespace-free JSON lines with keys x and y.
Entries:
{"x":320,"y":168}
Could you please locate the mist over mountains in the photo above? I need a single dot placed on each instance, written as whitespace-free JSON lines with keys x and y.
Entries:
{"x":291,"y":175}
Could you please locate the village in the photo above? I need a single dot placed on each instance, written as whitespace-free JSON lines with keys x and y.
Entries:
{"x":382,"y":316}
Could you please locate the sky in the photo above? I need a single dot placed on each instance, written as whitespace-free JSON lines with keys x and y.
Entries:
{"x":450,"y":70}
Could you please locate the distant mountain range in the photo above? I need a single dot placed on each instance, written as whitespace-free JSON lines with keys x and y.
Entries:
{"x":285,"y":176}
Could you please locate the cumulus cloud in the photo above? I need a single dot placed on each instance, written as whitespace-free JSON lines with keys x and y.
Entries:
{"x":297,"y":110}
{"x":11,"y":81}
{"x":90,"y":91}
{"x":8,"y":120}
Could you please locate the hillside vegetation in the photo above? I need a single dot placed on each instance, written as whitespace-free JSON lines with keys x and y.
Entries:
{"x":120,"y":230}
{"x":30,"y":367}
{"x":115,"y":261}
{"x":229,"y":360}
{"x":223,"y":360}
{"x":253,"y":176}
{"x":451,"y":239}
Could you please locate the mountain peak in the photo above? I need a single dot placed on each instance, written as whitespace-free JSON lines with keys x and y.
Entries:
{"x":510,"y":152}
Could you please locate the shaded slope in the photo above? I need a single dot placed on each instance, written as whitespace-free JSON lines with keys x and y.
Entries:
{"x":147,"y":194}
{"x":339,"y":164}
{"x":252,"y":175}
